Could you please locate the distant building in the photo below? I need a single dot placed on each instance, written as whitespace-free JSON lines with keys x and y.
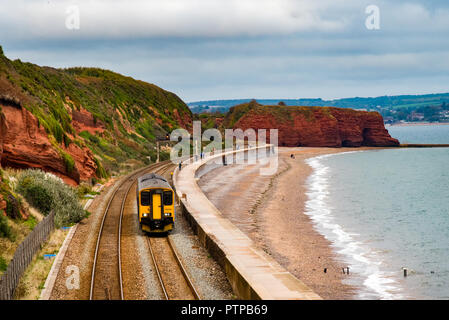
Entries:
{"x":416,"y":116}
{"x":389,"y":120}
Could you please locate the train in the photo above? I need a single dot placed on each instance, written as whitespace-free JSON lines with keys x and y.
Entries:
{"x":155,"y":203}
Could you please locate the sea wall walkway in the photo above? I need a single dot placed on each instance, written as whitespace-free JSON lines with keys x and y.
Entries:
{"x":252,"y":273}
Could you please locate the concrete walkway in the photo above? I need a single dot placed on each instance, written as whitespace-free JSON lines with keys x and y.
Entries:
{"x":252,"y":273}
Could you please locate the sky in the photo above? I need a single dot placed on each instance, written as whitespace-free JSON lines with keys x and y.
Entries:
{"x":230,"y":49}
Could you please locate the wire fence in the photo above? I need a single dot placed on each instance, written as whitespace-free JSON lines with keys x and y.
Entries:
{"x":24,"y":255}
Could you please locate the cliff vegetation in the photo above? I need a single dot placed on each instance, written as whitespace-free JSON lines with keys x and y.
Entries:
{"x":313,"y":126}
{"x":94,"y":121}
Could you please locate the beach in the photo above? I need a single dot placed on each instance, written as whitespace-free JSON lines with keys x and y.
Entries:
{"x":271,"y":211}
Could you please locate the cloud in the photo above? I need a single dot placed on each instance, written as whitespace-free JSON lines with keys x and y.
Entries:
{"x":178,"y":18}
{"x":204,"y":49}
{"x":413,"y":17}
{"x":120,"y":19}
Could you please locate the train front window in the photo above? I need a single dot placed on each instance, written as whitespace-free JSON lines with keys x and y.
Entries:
{"x":168,"y":198}
{"x":145,"y":198}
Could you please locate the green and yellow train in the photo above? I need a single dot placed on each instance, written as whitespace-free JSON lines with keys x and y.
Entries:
{"x":155,"y":203}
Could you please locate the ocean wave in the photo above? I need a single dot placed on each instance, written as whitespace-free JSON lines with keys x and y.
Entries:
{"x":363,"y":261}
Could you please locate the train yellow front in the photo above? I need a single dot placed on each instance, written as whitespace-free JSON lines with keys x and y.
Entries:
{"x":155,"y":203}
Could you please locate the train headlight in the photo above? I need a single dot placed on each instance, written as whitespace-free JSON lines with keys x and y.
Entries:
{"x":167,"y":214}
{"x":145,"y":215}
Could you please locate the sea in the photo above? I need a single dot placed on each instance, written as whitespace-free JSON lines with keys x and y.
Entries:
{"x":386,"y":213}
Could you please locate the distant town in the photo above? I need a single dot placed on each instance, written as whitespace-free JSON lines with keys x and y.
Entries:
{"x":438,"y":113}
{"x":394,"y":109}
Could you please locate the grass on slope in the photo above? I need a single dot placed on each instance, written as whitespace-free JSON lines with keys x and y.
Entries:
{"x":134,"y":113}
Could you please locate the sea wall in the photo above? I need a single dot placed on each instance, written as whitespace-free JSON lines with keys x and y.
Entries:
{"x":252,"y":273}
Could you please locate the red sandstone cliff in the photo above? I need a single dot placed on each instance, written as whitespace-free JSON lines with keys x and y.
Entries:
{"x":25,"y":144}
{"x":83,"y":120}
{"x":315,"y":126}
{"x":53,"y":119}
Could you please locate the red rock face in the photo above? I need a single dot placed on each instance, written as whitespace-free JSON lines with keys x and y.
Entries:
{"x":23,"y":144}
{"x":319,"y":127}
{"x":83,"y":120}
{"x":184,"y":122}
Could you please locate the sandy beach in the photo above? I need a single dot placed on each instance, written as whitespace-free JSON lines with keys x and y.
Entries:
{"x":270,"y":210}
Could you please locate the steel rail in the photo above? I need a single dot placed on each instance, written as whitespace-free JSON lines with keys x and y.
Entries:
{"x":183,"y":269}
{"x":131,"y":177}
{"x":178,"y":261}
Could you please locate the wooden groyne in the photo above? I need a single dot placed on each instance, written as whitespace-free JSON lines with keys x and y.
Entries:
{"x":425,"y":145}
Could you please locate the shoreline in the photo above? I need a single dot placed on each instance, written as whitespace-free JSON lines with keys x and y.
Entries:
{"x":307,"y":254}
{"x":372,"y":284}
{"x":414,"y":124}
{"x":266,"y":209}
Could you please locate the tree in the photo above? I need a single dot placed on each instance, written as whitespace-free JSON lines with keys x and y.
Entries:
{"x":253,"y":103}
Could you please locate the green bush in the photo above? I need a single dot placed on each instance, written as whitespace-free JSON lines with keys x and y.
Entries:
{"x":69,"y":162}
{"x":5,"y":230}
{"x":67,"y":140}
{"x":31,"y":222}
{"x":38,"y":195}
{"x":47,"y":192}
{"x":100,"y":172}
{"x":83,"y":189}
{"x":3,"y":264}
{"x":13,"y":206}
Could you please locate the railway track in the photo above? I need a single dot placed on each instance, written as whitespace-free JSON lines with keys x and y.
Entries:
{"x":173,"y":278}
{"x":106,"y":279}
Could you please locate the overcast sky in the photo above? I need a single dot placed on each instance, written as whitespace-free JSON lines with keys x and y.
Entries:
{"x":223,"y":49}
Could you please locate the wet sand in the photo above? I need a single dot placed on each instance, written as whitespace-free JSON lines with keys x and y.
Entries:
{"x":270,"y":210}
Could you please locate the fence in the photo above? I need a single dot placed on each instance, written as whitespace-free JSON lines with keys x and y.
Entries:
{"x":24,"y":255}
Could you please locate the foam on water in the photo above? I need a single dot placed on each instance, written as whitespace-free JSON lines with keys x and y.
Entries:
{"x":364,"y":262}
